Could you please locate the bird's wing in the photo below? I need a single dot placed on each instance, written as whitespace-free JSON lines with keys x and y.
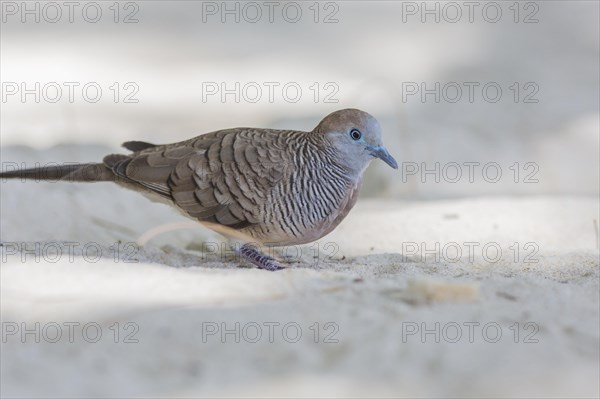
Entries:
{"x":137,"y":145}
{"x":223,"y":177}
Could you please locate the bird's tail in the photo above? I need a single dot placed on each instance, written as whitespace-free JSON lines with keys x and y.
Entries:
{"x":83,"y":172}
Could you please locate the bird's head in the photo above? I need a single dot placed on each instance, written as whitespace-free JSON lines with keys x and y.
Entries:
{"x":355,"y":138}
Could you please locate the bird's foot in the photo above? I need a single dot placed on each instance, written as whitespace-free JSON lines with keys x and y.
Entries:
{"x":258,"y":259}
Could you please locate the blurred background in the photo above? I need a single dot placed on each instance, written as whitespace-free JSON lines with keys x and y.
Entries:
{"x":513,"y":86}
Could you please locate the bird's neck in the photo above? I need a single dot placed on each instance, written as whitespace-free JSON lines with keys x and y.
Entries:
{"x":323,"y":153}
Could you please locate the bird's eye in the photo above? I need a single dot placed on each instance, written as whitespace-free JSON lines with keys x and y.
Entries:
{"x":355,"y":134}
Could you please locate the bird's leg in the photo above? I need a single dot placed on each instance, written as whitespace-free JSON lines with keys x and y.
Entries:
{"x":258,"y":259}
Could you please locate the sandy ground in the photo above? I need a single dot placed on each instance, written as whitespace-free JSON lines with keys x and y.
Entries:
{"x":379,"y":313}
{"x":392,"y":303}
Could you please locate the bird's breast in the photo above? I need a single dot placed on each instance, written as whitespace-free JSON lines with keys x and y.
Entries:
{"x":306,"y":205}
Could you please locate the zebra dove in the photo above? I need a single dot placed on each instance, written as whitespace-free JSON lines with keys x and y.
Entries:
{"x":258,"y":187}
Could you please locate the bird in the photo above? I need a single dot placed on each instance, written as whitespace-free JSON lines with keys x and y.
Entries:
{"x":257,"y":187}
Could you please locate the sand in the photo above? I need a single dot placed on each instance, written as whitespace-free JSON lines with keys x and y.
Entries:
{"x":385,"y":305}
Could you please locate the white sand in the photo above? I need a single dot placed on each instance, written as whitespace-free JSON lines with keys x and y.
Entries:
{"x":377,"y":286}
{"x":374,"y":296}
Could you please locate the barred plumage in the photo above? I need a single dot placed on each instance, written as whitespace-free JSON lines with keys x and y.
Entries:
{"x":272,"y":187}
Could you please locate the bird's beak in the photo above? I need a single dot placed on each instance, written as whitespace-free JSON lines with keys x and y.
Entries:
{"x":383,"y":154}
